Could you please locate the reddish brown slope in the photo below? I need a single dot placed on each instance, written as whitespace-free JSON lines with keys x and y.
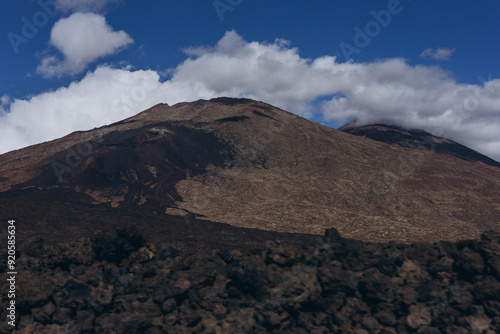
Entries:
{"x":249,"y":164}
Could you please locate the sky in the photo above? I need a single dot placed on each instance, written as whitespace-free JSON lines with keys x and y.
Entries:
{"x":68,"y":65}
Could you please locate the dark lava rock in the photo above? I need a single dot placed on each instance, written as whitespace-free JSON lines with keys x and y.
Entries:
{"x":469,"y":263}
{"x":115,"y":283}
{"x":116,"y":244}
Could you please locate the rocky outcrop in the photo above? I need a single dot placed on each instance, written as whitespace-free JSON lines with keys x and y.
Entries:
{"x":116,"y":282}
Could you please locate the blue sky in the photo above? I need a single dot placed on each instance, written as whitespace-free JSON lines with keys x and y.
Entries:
{"x":427,"y":64}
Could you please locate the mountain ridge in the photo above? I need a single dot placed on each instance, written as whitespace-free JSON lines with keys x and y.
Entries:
{"x":416,"y":138}
{"x":251,"y":165}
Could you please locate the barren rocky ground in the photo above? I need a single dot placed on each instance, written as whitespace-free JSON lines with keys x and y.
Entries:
{"x":210,"y":217}
{"x":115,"y":282}
{"x":416,"y":139}
{"x":251,"y":165}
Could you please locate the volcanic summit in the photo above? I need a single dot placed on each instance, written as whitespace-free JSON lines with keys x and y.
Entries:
{"x":245,"y":164}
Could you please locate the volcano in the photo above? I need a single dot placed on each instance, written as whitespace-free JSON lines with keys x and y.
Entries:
{"x":244,"y":170}
{"x":416,"y":139}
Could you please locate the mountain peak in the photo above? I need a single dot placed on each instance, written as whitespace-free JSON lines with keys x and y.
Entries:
{"x":415,"y":139}
{"x":250,"y":165}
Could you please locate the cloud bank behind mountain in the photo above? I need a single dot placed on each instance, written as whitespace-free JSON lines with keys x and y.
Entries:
{"x":274,"y":72}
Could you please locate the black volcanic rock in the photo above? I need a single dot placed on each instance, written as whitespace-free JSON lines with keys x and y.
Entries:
{"x":156,"y":289}
{"x":416,"y":139}
{"x":116,"y":244}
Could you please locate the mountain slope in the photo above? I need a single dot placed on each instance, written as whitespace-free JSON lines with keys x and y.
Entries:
{"x":250,"y":165}
{"x":417,"y":139}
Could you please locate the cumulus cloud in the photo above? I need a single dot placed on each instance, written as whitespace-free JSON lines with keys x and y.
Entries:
{"x":81,"y":38}
{"x":412,"y":96}
{"x":102,"y":97}
{"x":439,"y":53}
{"x":83,"y":5}
{"x":4,"y":103}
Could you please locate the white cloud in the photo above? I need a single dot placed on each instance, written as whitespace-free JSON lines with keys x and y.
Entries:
{"x":4,"y":103}
{"x":413,"y":96}
{"x":197,"y":51}
{"x":83,"y":5}
{"x":439,"y":53}
{"x":81,"y":38}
